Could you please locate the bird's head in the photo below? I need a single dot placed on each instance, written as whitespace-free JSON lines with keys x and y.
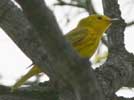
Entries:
{"x":97,"y":22}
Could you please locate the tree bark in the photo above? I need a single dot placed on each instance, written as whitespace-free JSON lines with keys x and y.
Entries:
{"x":39,"y":36}
{"x":118,"y":69}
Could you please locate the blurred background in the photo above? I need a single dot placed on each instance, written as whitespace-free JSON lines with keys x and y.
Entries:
{"x":14,"y":63}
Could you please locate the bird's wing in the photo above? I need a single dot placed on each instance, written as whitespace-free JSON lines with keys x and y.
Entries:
{"x":77,"y":35}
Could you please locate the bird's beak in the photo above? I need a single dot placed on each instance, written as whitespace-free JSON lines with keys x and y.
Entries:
{"x":113,"y":20}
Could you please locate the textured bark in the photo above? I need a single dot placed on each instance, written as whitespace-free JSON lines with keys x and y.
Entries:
{"x":118,"y":69}
{"x":39,"y":36}
{"x":30,"y":93}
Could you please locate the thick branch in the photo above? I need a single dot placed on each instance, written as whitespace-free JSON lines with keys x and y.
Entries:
{"x":29,"y":93}
{"x":42,"y":41}
{"x":117,"y":48}
{"x":54,"y":43}
{"x":115,"y":33}
{"x":117,"y":71}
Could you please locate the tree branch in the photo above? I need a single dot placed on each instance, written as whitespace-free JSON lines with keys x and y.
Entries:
{"x":117,"y":71}
{"x":88,"y":6}
{"x":63,"y":3}
{"x":54,"y":42}
{"x":29,"y":93}
{"x":40,"y":38}
{"x":130,"y":23}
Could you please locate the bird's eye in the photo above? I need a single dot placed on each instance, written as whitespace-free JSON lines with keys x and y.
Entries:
{"x":99,"y":17}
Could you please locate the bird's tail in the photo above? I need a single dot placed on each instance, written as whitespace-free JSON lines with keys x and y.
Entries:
{"x":34,"y":71}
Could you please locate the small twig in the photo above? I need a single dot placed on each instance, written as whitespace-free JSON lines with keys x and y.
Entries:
{"x":69,"y":4}
{"x":30,"y":65}
{"x":62,"y":3}
{"x":130,"y":23}
{"x":90,"y":7}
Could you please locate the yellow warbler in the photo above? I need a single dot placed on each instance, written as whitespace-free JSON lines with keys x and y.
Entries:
{"x":84,"y":39}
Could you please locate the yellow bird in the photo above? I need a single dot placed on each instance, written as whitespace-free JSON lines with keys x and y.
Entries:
{"x":84,"y":39}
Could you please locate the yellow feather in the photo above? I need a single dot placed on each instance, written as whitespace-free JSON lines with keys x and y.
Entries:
{"x":84,"y":39}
